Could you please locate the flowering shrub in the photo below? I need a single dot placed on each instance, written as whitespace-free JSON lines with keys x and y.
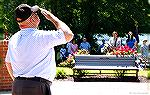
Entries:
{"x":69,"y":62}
{"x":70,"y":59}
{"x":123,"y":50}
{"x":82,"y":52}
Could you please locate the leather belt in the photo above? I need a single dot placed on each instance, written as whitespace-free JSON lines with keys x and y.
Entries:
{"x":39,"y":79}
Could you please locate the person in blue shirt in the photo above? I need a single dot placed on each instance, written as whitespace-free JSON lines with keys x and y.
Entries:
{"x":63,"y":53}
{"x":85,"y":45}
{"x":131,"y":41}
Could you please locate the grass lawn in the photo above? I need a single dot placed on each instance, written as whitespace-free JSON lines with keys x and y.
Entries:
{"x":69,"y":71}
{"x":143,"y":73}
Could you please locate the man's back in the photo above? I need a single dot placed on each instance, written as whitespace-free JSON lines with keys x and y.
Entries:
{"x":33,"y":54}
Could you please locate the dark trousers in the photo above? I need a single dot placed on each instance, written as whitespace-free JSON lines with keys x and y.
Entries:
{"x":31,"y":86}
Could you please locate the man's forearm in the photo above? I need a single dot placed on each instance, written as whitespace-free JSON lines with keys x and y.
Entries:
{"x":9,"y":68}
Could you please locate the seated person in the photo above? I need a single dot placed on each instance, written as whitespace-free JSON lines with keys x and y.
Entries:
{"x":63,"y":52}
{"x":114,"y":41}
{"x":131,"y":41}
{"x":85,"y":45}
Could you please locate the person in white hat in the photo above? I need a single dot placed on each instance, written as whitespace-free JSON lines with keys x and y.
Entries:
{"x":114,"y":41}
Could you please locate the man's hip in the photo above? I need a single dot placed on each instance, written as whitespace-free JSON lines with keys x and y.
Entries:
{"x":31,"y":86}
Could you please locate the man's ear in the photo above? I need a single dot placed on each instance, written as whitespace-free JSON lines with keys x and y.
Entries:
{"x":33,"y":20}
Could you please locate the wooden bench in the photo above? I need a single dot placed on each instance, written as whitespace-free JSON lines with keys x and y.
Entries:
{"x":105,"y":62}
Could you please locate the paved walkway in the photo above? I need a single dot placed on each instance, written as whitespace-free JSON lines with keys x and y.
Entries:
{"x":97,"y":88}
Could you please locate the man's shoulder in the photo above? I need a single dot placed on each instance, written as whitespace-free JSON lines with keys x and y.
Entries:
{"x":87,"y":43}
{"x":46,"y":32}
{"x":15,"y":35}
{"x":39,"y":33}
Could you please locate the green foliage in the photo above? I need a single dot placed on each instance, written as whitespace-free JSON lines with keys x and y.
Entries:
{"x":81,"y":73}
{"x":61,"y":74}
{"x":66,"y":64}
{"x":120,"y":73}
{"x":69,"y":62}
{"x":68,"y":71}
{"x":87,"y":16}
{"x":1,"y":61}
{"x":1,"y":15}
{"x":148,"y":74}
{"x":1,"y":36}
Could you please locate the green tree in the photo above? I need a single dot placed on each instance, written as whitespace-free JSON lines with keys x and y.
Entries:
{"x":86,"y":17}
{"x":1,"y":19}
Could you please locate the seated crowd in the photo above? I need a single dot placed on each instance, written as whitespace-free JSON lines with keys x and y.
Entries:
{"x":113,"y":43}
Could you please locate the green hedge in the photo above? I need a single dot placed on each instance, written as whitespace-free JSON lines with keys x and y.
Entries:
{"x":61,"y":74}
{"x":148,"y":75}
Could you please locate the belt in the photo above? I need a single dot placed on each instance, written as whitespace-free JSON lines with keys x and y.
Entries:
{"x":39,"y":79}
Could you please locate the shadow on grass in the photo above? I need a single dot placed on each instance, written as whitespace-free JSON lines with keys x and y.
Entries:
{"x":122,"y":79}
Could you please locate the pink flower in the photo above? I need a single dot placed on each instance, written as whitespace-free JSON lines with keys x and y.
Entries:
{"x":123,"y":50}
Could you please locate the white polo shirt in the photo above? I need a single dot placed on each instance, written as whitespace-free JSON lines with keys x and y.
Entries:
{"x":31,"y":52}
{"x":112,"y":42}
